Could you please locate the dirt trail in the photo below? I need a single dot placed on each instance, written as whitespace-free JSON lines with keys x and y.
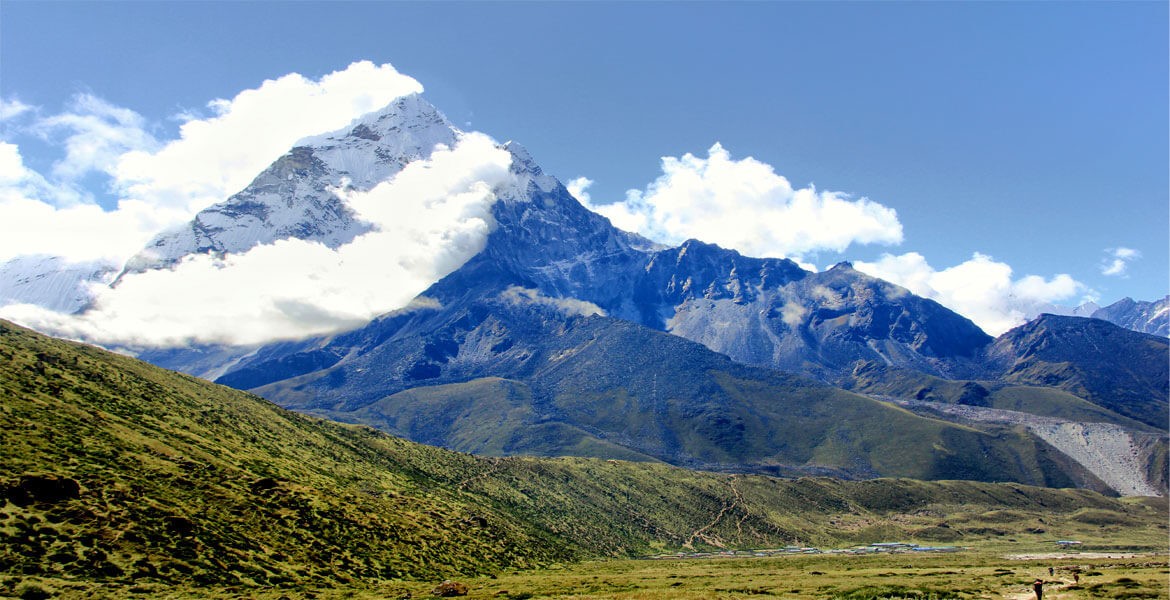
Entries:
{"x":700,"y":533}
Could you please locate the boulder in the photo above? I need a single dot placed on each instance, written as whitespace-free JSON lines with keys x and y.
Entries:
{"x":450,"y":589}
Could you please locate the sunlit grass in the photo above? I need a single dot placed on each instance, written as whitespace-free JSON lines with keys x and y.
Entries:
{"x":176,"y":488}
{"x":986,"y":573}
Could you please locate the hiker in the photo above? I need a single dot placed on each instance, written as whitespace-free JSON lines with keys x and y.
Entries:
{"x":1076,"y":577}
{"x":1038,"y":587}
{"x":1051,"y":572}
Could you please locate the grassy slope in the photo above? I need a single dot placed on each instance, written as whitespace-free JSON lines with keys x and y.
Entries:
{"x":181,"y":481}
{"x":489,"y":417}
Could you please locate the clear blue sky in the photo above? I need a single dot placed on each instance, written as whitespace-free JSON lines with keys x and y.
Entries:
{"x":1034,"y":132}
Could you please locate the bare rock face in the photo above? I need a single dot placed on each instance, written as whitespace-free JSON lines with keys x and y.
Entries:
{"x":1110,"y":366}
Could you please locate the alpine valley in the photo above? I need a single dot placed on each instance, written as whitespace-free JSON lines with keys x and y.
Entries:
{"x":565,"y":336}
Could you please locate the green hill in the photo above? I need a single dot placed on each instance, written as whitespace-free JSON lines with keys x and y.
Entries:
{"x":117,"y":473}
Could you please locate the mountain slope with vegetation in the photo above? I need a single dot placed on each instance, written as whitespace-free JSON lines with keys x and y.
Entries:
{"x":514,"y":376}
{"x":1121,"y":370}
{"x":123,"y":474}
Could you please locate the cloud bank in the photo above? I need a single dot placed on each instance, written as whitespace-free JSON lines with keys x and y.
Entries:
{"x":744,"y":204}
{"x":429,"y":219}
{"x":158,"y":184}
{"x":1116,"y":262}
{"x":980,"y":289}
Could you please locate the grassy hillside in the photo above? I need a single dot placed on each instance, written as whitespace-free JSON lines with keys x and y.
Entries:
{"x":123,"y":474}
{"x":159,"y":475}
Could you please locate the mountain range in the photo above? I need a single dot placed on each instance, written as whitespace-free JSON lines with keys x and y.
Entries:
{"x":567,"y":336}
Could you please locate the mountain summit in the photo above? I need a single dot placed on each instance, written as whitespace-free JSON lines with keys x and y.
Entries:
{"x":296,"y":197}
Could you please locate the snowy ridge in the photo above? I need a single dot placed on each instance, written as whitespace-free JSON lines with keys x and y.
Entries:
{"x":52,"y":282}
{"x":295,"y":197}
{"x":375,"y":146}
{"x":1138,"y":315}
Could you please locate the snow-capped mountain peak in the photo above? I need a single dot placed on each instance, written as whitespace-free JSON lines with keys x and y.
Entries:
{"x":377,"y":145}
{"x":295,"y":197}
{"x":525,"y":174}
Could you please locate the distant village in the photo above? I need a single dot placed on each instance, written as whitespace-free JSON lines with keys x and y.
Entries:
{"x":880,"y":547}
{"x":877,"y":548}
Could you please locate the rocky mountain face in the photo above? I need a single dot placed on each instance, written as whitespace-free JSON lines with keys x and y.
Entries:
{"x":1138,"y":315}
{"x":765,"y":312}
{"x":555,"y":330}
{"x":520,"y":373}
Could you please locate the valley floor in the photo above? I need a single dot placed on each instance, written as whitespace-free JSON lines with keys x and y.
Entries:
{"x":990,"y":574}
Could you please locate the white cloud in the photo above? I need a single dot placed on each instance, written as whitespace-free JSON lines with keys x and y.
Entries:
{"x":99,"y":135}
{"x":745,"y":205}
{"x":1117,"y":260}
{"x":980,"y":289}
{"x":216,"y":157}
{"x":578,"y":188}
{"x":429,"y":220}
{"x":567,"y":306}
{"x":162,"y":184}
{"x":10,"y":109}
{"x":42,"y":217}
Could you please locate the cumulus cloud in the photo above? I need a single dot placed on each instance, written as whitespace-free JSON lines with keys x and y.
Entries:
{"x":567,"y":306}
{"x":156,"y":183}
{"x":745,"y":205}
{"x":579,"y":189}
{"x":429,"y":220}
{"x":38,"y":216}
{"x":1116,"y":261}
{"x":981,"y":289}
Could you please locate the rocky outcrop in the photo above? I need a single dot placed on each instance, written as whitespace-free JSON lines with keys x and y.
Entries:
{"x":450,"y":589}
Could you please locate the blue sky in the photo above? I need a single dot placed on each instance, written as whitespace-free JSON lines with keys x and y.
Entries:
{"x":1034,"y":134}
